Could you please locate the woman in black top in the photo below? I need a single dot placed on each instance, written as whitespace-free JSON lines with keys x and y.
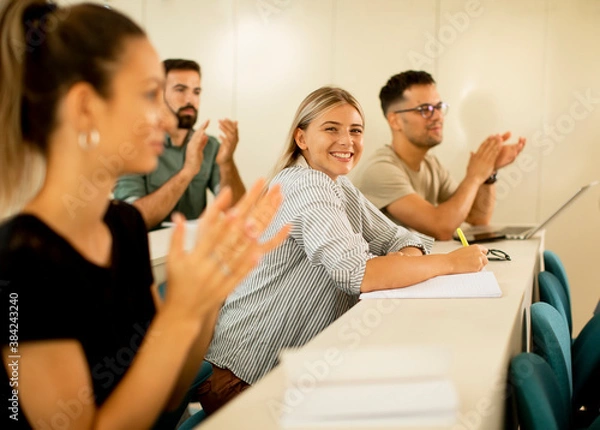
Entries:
{"x":84,"y":345}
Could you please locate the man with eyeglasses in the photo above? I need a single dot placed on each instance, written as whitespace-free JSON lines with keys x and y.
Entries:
{"x":410,"y":185}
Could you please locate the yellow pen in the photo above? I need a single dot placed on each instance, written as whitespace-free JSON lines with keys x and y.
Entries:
{"x":462,"y":237}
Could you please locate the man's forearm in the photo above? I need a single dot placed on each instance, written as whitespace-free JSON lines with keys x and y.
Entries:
{"x":483,"y":206}
{"x":457,"y":208}
{"x":472,"y":202}
{"x":230,"y":177}
{"x":437,"y":221}
{"x":157,"y":205}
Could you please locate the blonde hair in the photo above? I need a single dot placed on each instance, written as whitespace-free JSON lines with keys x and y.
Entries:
{"x":314,"y":105}
{"x":44,"y":50}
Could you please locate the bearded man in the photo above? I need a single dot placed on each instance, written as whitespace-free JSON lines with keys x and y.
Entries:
{"x":190,"y":162}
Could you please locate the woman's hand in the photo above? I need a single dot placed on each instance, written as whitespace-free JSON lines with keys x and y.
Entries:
{"x":468,"y":259}
{"x":226,"y":249}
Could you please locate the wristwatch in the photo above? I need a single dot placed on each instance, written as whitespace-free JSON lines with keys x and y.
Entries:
{"x":492,"y":179}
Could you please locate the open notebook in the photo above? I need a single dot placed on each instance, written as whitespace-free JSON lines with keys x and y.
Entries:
{"x":466,"y":285}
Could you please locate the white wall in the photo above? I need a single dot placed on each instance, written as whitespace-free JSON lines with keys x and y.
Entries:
{"x":519,"y":65}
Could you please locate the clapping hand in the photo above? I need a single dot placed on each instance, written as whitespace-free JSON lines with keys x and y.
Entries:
{"x":508,"y":153}
{"x":229,"y":140}
{"x":201,"y":279}
{"x":194,"y":153}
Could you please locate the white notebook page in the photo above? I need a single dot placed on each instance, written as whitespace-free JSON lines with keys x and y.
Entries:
{"x":467,"y":285}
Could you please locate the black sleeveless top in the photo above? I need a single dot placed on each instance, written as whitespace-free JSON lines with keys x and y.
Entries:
{"x":48,"y":290}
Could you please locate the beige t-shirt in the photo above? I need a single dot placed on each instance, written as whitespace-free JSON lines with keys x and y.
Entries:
{"x":386,"y":178}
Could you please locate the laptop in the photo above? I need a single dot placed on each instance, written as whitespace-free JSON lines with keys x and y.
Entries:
{"x":488,"y":233}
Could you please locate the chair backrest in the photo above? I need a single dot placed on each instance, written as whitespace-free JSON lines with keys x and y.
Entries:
{"x":554,"y":265}
{"x":193,"y":421}
{"x":162,"y":290}
{"x":595,"y":425}
{"x":552,"y":292}
{"x":538,"y":405}
{"x":586,"y":367}
{"x":551,"y":340}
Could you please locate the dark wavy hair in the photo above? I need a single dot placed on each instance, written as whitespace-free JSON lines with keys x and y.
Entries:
{"x":393,"y":91}
{"x":181,"y":64}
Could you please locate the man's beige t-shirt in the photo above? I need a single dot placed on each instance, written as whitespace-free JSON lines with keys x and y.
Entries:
{"x":386,"y":178}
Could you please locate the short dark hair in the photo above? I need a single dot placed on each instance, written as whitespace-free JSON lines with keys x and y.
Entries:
{"x":181,"y":64}
{"x":393,"y":90}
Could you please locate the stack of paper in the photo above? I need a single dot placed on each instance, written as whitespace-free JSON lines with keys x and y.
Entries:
{"x":467,"y":285}
{"x":386,"y":387}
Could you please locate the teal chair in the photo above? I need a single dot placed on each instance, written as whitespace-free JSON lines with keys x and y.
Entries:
{"x":554,"y":265}
{"x":553,"y":293}
{"x":576,"y":366}
{"x":552,"y":341}
{"x":193,"y":421}
{"x":586,"y":373}
{"x":539,"y":403}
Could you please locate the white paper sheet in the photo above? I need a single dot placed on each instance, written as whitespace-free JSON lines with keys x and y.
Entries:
{"x":467,"y":285}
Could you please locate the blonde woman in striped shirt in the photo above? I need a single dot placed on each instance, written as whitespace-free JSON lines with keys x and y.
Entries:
{"x":339,"y":246}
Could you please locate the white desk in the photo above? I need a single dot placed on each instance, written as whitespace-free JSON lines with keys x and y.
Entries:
{"x":483,"y":335}
{"x":159,"y":241}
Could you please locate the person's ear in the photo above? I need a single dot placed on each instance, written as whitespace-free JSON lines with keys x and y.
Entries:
{"x":81,"y":107}
{"x":394,"y":120}
{"x":300,"y":138}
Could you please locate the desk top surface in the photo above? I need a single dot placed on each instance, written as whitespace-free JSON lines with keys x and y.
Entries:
{"x":481,"y":334}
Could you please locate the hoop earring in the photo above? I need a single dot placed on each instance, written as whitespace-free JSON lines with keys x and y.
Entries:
{"x":89,"y":140}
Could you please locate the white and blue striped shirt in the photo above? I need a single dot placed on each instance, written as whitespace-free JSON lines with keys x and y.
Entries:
{"x":309,"y":281}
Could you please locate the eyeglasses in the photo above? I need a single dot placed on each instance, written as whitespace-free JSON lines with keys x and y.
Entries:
{"x":426,"y":110}
{"x":497,"y":255}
